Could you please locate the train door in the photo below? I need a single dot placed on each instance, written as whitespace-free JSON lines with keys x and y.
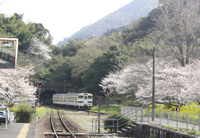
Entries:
{"x":85,"y":100}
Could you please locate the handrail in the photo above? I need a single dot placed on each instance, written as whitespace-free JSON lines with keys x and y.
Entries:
{"x":119,"y":123}
{"x":129,"y":111}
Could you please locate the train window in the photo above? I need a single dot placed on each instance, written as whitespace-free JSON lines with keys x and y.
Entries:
{"x":80,"y":97}
{"x":89,"y":97}
{"x":85,"y":97}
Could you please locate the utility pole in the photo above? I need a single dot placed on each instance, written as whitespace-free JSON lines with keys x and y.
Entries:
{"x":197,"y":49}
{"x":99,"y":103}
{"x":153,"y":87}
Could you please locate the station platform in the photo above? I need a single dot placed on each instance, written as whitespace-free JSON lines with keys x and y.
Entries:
{"x":17,"y":130}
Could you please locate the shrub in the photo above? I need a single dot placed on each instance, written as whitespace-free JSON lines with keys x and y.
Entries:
{"x":109,"y":123}
{"x":24,"y":113}
{"x":193,"y":132}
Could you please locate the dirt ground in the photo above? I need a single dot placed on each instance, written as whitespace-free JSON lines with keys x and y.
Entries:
{"x":43,"y":125}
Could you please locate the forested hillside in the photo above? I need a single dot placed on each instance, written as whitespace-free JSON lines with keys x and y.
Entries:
{"x":84,"y":63}
{"x":123,"y":61}
{"x":119,"y":18}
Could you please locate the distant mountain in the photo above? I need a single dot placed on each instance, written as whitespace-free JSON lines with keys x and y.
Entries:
{"x":119,"y":18}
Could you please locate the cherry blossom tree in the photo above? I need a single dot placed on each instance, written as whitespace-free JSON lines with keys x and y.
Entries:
{"x":173,"y":82}
{"x":17,"y":81}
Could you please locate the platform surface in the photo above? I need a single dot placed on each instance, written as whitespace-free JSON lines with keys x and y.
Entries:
{"x":17,"y":130}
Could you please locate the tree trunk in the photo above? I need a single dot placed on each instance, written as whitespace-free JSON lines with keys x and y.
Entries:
{"x":181,"y":55}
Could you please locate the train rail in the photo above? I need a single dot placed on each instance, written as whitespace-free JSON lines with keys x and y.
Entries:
{"x":63,"y":126}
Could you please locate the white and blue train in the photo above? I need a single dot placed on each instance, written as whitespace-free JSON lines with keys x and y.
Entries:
{"x":74,"y":100}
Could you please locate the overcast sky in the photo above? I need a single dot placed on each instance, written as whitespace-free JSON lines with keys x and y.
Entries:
{"x":62,"y":17}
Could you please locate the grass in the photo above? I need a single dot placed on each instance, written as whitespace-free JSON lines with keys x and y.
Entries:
{"x":7,"y":53}
{"x":41,"y":112}
{"x":191,"y":132}
{"x":187,"y":108}
{"x":10,"y":47}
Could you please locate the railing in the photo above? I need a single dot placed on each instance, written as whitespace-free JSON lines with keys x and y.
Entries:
{"x":132,"y":115}
{"x":7,"y":57}
{"x":169,"y":118}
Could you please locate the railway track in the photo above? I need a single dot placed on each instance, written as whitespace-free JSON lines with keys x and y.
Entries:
{"x":88,"y":112}
{"x":58,"y":125}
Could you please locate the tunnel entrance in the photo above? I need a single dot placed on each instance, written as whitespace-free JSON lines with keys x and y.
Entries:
{"x":46,"y":97}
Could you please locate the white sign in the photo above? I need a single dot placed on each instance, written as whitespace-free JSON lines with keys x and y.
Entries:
{"x":7,"y":96}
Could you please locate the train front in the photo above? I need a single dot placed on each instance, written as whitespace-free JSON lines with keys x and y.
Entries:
{"x":90,"y":101}
{"x":85,"y":101}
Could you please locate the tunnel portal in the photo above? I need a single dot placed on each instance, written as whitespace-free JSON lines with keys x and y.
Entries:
{"x":46,"y":97}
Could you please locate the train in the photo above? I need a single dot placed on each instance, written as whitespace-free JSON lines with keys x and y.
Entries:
{"x":79,"y":101}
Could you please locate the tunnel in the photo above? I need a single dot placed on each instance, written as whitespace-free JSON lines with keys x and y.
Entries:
{"x":46,"y":97}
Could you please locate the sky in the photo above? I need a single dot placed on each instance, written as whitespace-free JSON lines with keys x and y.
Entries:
{"x":62,"y":17}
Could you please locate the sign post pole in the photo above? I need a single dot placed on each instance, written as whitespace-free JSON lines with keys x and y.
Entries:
{"x":35,"y":111}
{"x":6,"y":114}
{"x":99,"y":103}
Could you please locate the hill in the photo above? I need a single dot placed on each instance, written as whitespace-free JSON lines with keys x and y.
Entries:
{"x":119,"y":18}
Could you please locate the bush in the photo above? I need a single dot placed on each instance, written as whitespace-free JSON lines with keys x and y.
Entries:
{"x":24,"y":113}
{"x":193,"y":132}
{"x":109,"y":123}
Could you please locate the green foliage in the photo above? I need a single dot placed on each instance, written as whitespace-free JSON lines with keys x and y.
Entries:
{"x":109,"y":122}
{"x":191,"y":132}
{"x":15,"y":27}
{"x":52,"y":69}
{"x":42,"y":34}
{"x":56,"y":50}
{"x":71,"y":48}
{"x":112,"y":108}
{"x":191,"y":109}
{"x":108,"y":62}
{"x":139,"y":31}
{"x":24,"y":113}
{"x":175,"y":129}
{"x":41,"y":113}
{"x":187,"y":108}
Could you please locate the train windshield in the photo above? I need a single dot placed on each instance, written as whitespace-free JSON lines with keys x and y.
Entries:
{"x":89,"y":97}
{"x":80,"y":97}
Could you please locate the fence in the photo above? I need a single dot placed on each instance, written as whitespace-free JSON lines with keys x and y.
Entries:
{"x":168,"y":118}
{"x":173,"y":118}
